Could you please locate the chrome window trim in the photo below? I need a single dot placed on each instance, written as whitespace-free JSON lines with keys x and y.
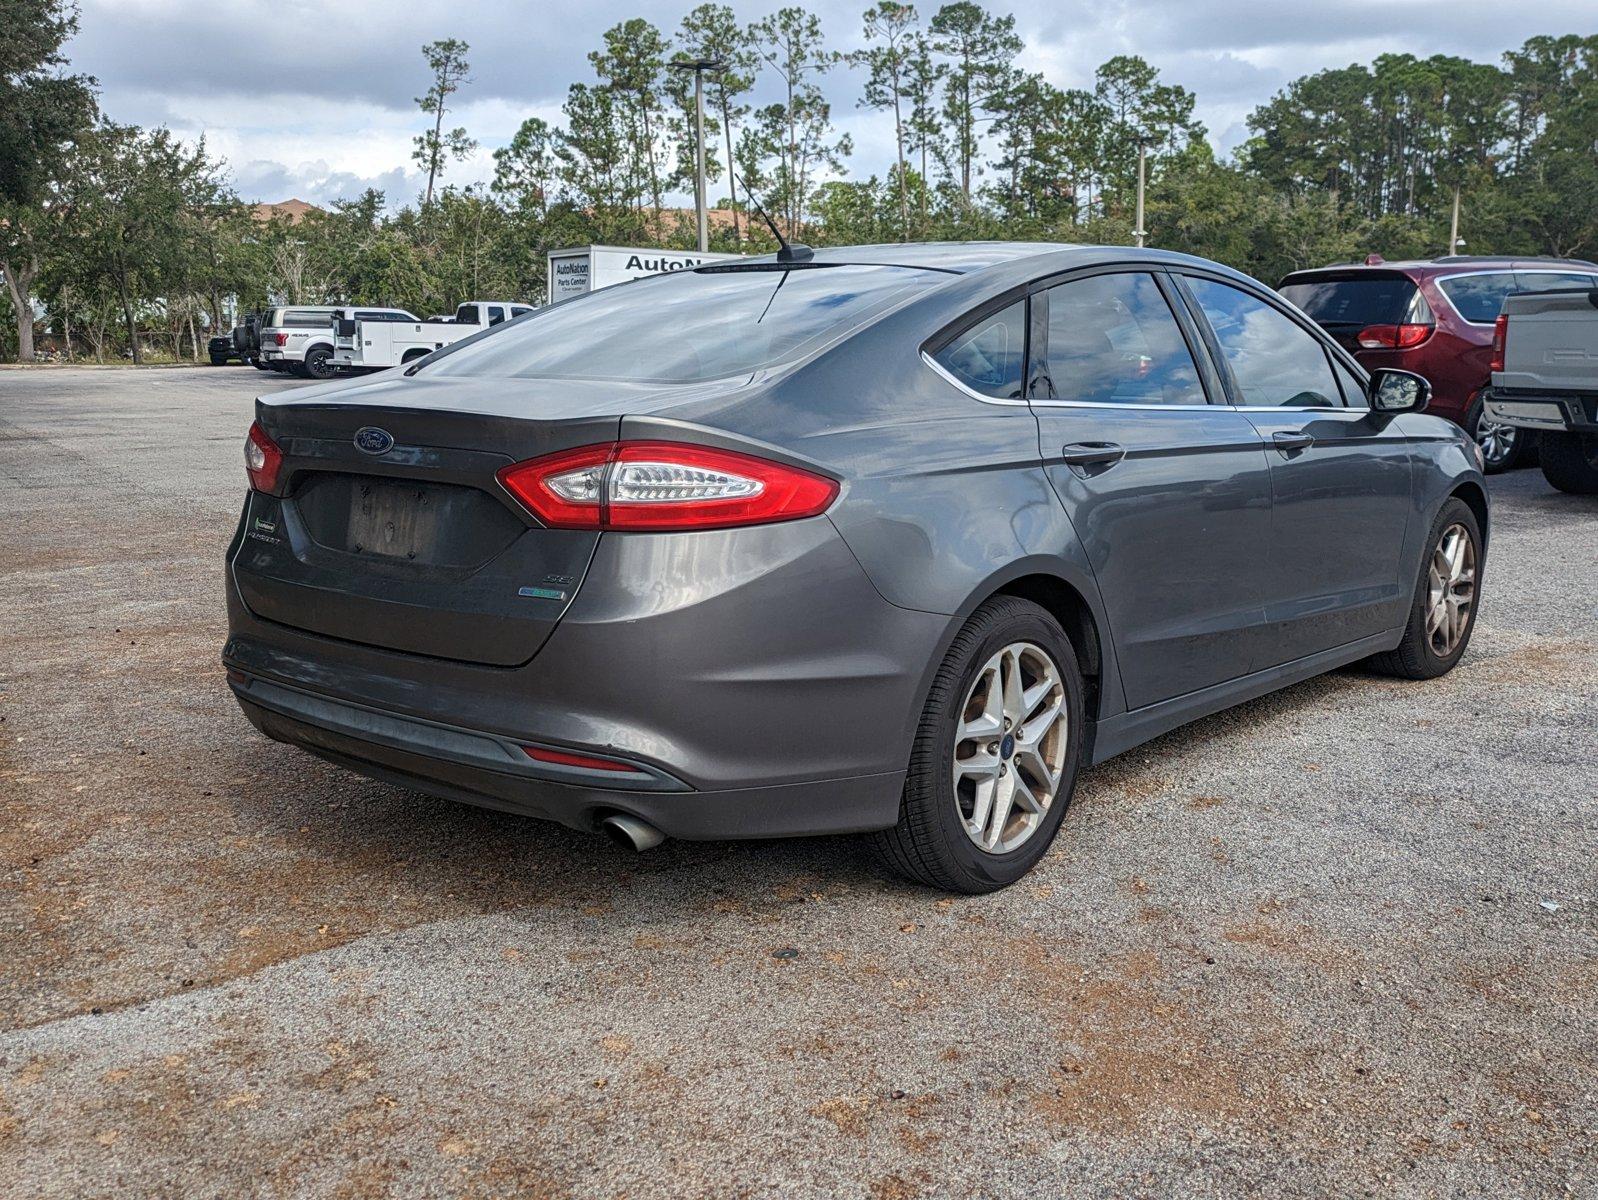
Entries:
{"x":1113,"y":407}
{"x":968,"y":390}
{"x":1443,"y":292}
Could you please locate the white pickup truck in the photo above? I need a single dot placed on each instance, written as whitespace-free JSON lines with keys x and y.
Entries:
{"x":375,"y":345}
{"x":1545,"y":378}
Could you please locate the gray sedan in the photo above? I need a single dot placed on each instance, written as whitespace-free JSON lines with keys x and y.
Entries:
{"x":882,"y":539}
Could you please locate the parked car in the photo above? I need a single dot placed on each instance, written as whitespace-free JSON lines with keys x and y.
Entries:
{"x":887,"y":539}
{"x":299,"y":338}
{"x":1545,"y":379}
{"x":361,"y":343}
{"x":1435,"y":318}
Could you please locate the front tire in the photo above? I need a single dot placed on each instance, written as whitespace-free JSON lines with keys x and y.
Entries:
{"x":995,"y":756}
{"x":1570,"y":462}
{"x":1443,"y":613}
{"x":1503,"y":447}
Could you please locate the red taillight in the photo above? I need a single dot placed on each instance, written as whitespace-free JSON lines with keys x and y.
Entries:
{"x":564,"y":758}
{"x":282,"y":339}
{"x":1394,"y":337}
{"x":263,"y":459}
{"x":657,"y":486}
{"x":1500,"y":340}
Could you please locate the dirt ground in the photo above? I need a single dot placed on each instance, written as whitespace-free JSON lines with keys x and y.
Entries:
{"x":1337,"y":942}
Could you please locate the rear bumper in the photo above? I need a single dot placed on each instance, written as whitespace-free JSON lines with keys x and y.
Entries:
{"x":754,"y":675}
{"x":1530,"y":410}
{"x":426,"y":765}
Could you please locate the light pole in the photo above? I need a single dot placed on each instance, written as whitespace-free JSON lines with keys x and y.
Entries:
{"x":1142,"y":162}
{"x":699,"y":66}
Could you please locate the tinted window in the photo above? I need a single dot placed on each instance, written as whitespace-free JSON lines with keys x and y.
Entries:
{"x":1353,"y":303}
{"x":519,"y":310}
{"x":373,"y":316}
{"x":990,"y":356}
{"x":1548,"y":281}
{"x":496,"y":314}
{"x":1274,"y":361}
{"x":466,"y":314}
{"x":1114,"y":340}
{"x":691,"y":325}
{"x":299,"y":317}
{"x":1479,"y":297}
{"x":1353,"y":386}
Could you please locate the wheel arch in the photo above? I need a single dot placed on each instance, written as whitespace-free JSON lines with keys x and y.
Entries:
{"x":1072,"y":602}
{"x":1475,"y":499}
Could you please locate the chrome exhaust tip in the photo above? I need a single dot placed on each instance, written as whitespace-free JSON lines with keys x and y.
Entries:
{"x":631,"y":832}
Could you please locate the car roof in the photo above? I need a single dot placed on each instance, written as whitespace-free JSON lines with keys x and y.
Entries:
{"x":1458,"y":264}
{"x":969,"y":258}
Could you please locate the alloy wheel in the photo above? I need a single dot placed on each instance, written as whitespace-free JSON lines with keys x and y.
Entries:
{"x":1450,"y":590}
{"x":1497,"y":441}
{"x":1009,"y":747}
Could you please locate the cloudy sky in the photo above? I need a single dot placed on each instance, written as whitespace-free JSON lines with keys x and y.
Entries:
{"x":316,"y":99}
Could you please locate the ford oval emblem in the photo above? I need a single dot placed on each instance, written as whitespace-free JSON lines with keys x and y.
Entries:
{"x":374,"y":440}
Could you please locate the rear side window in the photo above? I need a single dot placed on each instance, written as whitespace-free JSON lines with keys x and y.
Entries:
{"x":466,"y":314}
{"x":990,"y":356}
{"x":1552,"y":281}
{"x":1479,"y":297}
{"x":1275,"y":362}
{"x":299,"y":318}
{"x":1349,"y":304}
{"x":1114,"y":340}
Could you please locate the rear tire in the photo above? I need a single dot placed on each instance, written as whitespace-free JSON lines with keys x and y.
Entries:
{"x":936,"y":840}
{"x":1430,"y":649}
{"x":1503,"y":447}
{"x":318,"y":363}
{"x":219,"y":360}
{"x":1570,"y":462}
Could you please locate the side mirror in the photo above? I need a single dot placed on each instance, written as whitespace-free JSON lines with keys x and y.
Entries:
{"x":1395,"y":391}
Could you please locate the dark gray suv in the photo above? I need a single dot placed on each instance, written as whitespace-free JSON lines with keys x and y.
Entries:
{"x":886,"y":539}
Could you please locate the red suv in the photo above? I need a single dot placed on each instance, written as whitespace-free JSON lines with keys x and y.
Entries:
{"x":1434,"y":318}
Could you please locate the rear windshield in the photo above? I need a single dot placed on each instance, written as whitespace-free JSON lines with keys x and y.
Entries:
{"x":1353,"y":302}
{"x":691,"y":325}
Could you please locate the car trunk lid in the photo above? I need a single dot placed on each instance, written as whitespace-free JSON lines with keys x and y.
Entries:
{"x":392,"y":529}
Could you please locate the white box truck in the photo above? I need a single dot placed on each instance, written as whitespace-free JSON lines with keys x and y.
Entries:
{"x":584,"y":269}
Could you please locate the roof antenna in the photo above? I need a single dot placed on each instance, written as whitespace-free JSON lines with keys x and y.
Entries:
{"x":797,"y":252}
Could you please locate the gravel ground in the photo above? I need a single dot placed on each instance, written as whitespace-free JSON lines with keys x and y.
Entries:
{"x":1305,"y":948}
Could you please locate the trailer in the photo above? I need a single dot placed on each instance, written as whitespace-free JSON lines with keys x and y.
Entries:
{"x":583,"y":269}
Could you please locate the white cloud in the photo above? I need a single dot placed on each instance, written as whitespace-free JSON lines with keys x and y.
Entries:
{"x":317,"y":99}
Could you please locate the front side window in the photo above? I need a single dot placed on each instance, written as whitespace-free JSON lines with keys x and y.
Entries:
{"x":1479,"y":297}
{"x":690,"y":326}
{"x":1114,"y":340}
{"x":990,"y":356}
{"x":1275,"y":362}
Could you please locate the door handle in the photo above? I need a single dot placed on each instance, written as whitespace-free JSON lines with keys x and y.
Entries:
{"x":1091,"y":454}
{"x":1287,"y":442}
